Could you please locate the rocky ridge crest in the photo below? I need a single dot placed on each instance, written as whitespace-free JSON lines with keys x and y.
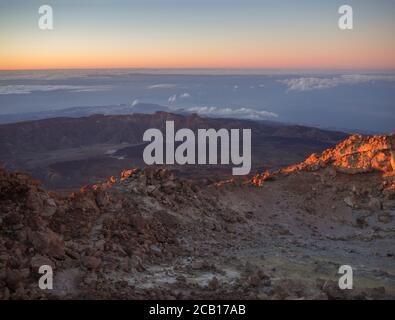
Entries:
{"x":356,"y":155}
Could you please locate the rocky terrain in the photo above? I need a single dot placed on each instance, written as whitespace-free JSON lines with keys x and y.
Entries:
{"x":152,"y":235}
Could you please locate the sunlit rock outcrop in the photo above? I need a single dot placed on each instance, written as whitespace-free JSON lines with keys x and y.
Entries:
{"x":357,"y":154}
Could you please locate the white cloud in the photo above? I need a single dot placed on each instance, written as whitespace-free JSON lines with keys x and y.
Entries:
{"x":162,"y":86}
{"x":240,"y":113}
{"x":173,"y":98}
{"x":26,"y":89}
{"x":185,"y":95}
{"x":318,"y":83}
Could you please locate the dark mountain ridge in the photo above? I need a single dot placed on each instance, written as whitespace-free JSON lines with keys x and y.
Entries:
{"x":69,"y":152}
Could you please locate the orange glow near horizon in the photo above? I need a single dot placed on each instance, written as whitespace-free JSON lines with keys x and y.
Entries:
{"x":60,"y":53}
{"x":252,"y":39}
{"x":320,"y":59}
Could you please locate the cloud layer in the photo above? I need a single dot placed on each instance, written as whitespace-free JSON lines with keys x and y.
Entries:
{"x":162,"y":86}
{"x":239,"y":113}
{"x":26,"y":89}
{"x":319,"y":83}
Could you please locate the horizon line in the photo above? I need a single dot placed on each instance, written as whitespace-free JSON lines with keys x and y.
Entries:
{"x":251,"y":69}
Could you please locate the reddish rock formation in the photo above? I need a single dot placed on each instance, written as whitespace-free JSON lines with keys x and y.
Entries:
{"x":357,"y":154}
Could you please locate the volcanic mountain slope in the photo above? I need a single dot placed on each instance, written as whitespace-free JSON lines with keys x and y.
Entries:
{"x":149,"y":234}
{"x":65,"y":153}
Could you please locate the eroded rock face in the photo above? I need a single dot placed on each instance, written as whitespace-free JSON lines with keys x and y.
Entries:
{"x":120,"y":224}
{"x":95,"y":251}
{"x":26,"y":240}
{"x":357,"y":154}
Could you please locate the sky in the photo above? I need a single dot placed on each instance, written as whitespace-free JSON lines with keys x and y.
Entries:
{"x":281,"y":34}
